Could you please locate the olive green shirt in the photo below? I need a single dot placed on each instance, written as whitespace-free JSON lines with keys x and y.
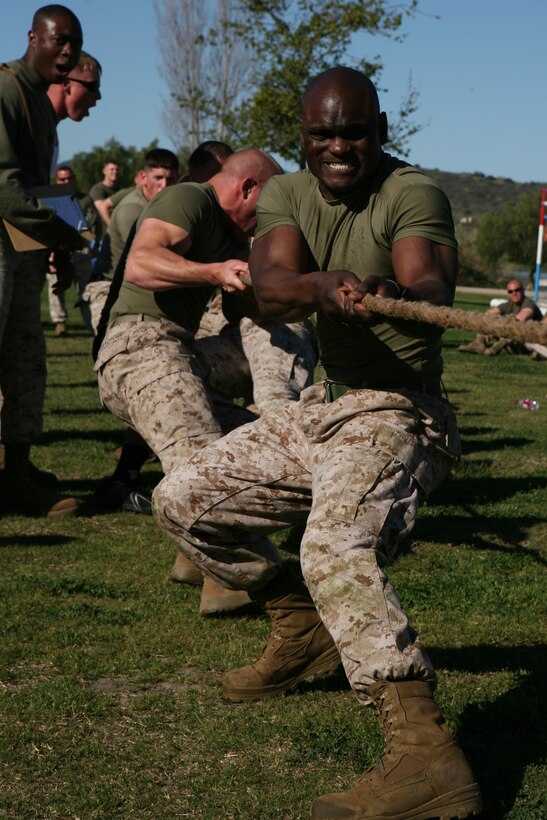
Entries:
{"x":195,"y":208}
{"x":511,"y":309}
{"x":357,"y":233}
{"x":26,"y":152}
{"x":123,"y":219}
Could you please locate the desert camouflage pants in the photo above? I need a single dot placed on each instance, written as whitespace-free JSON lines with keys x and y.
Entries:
{"x":355,"y":469}
{"x":94,"y":298}
{"x":81,"y":263}
{"x":22,"y":344}
{"x":265,"y":362}
{"x":179,"y":395}
{"x":150,"y":378}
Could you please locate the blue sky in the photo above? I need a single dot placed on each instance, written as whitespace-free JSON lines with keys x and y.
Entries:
{"x":481,"y":70}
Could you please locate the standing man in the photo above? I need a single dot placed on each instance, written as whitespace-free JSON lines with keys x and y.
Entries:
{"x":353,"y":457}
{"x":102,"y":191}
{"x":27,"y":139}
{"x":72,"y":99}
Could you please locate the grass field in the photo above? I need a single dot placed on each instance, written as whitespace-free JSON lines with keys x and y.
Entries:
{"x":110,"y":702}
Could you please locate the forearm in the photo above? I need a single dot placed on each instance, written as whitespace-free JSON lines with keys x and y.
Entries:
{"x":104,"y":210}
{"x":160,"y":269}
{"x":286,"y":295}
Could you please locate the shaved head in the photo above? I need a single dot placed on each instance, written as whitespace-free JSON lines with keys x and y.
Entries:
{"x":251,"y":162}
{"x":239,"y":183}
{"x":342,"y":130}
{"x":336,"y":81}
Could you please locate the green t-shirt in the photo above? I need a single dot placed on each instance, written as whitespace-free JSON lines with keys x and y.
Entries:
{"x":510,"y":309}
{"x":123,"y":219}
{"x":26,"y":151}
{"x":357,"y":234}
{"x":101,"y":191}
{"x":194,"y":208}
{"x":119,"y":195}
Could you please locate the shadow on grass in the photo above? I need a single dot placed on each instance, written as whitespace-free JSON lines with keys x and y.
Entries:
{"x":503,"y":737}
{"x":36,"y":540}
{"x":60,"y":411}
{"x":73,"y":385}
{"x":475,"y":490}
{"x":53,"y":436}
{"x":479,"y":445}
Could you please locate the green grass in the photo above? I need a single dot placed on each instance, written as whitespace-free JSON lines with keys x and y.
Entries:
{"x":110,"y":701}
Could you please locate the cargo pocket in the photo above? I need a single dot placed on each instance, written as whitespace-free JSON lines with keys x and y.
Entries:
{"x":114,"y":343}
{"x":360,"y":480}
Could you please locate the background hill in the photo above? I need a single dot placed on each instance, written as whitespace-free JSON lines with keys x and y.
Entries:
{"x":472,"y":195}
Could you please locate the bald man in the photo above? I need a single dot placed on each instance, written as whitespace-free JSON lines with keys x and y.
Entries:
{"x":191,"y":239}
{"x":518,"y":305}
{"x":352,"y":459}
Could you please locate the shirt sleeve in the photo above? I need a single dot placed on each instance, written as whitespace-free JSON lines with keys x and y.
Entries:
{"x":17,"y":206}
{"x":273,"y":208}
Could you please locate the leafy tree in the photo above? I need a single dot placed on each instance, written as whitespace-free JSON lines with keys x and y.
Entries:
{"x":239,"y":73}
{"x":88,"y":165}
{"x":205,"y":64}
{"x":510,"y":232}
{"x":294,"y":41}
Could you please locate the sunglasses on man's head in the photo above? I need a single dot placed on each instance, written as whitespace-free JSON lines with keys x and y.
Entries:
{"x":515,"y":290}
{"x":91,"y":85}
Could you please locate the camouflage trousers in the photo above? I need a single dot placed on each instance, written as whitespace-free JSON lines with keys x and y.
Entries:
{"x":93,"y":299}
{"x":150,"y":378}
{"x":22,"y":344}
{"x":178,"y":394}
{"x":265,"y":362}
{"x":81,"y":263}
{"x":355,"y":470}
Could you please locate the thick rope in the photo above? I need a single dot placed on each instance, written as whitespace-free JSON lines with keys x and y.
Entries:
{"x":504,"y":327}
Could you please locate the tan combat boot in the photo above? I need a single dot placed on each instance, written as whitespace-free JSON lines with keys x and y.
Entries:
{"x":216,"y":599}
{"x":497,"y":347}
{"x":423,"y":772}
{"x":185,"y":571}
{"x":478,"y":345}
{"x":298,"y":648}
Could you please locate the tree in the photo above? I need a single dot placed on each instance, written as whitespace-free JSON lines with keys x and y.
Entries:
{"x":241,"y":79}
{"x":510,"y":232}
{"x":294,"y":41}
{"x":88,"y":165}
{"x":205,"y":64}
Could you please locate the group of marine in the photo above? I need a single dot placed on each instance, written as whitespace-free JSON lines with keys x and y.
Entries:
{"x":200,"y":301}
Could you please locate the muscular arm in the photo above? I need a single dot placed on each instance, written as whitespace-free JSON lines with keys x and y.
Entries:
{"x":423,"y":271}
{"x":157,"y":261}
{"x":283,"y":289}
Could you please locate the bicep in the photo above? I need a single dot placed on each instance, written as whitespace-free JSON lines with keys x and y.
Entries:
{"x":282,"y":247}
{"x":154,"y":234}
{"x":417,"y":260}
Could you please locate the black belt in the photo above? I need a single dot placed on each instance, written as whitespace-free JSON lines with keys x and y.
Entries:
{"x":334,"y":390}
{"x":134,"y":317}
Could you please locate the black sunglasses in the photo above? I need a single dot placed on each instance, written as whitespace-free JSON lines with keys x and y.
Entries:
{"x":91,"y":85}
{"x":516,"y":290}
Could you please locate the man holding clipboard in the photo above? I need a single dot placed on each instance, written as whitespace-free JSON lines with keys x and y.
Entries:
{"x":29,"y":231}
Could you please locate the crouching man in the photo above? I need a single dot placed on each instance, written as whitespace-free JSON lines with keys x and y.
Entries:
{"x":352,"y":458}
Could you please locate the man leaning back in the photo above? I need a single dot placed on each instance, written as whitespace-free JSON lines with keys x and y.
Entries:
{"x":353,"y":458}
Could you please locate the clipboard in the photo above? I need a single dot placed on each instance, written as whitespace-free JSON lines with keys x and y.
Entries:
{"x":64,"y":200}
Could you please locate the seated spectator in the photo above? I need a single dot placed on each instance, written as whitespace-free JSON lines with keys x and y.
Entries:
{"x":519,"y":306}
